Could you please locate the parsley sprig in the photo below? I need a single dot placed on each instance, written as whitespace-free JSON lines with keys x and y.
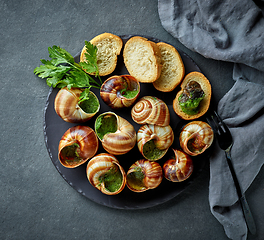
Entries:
{"x":62,"y":70}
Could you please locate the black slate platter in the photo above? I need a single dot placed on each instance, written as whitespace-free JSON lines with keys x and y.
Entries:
{"x":54,"y":128}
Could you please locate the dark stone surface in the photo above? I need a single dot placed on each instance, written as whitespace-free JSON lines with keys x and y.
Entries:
{"x":36,"y":203}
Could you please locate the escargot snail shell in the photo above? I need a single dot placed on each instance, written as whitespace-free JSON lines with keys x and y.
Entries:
{"x":67,"y":107}
{"x":97,"y":170}
{"x":117,"y":142}
{"x":151,"y":110}
{"x":78,"y":139}
{"x":144,"y":175}
{"x":114,"y":88}
{"x":161,"y":137}
{"x":178,"y":169}
{"x":196,"y":137}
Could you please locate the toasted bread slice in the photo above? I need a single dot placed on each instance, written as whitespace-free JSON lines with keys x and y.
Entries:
{"x":142,"y":59}
{"x":172,"y":71}
{"x":109,"y":47}
{"x":204,"y":104}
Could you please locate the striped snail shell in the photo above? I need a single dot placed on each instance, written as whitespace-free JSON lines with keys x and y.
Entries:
{"x":120,"y":91}
{"x":144,"y":175}
{"x":68,"y":108}
{"x":117,"y":135}
{"x":151,"y":110}
{"x":106,"y":174}
{"x":77,"y":145}
{"x":179,"y":168}
{"x":154,"y":141}
{"x":196,"y":137}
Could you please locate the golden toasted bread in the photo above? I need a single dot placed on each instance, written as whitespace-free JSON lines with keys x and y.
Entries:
{"x":142,"y":59}
{"x":172,"y":71}
{"x":109,"y":47}
{"x":205,"y":102}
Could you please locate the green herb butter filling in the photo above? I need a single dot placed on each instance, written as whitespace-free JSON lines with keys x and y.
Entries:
{"x":191,"y":97}
{"x":151,"y":152}
{"x":135,"y":179}
{"x":90,"y":105}
{"x":105,"y":124}
{"x":112,"y":179}
{"x":71,"y":154}
{"x":191,"y":106}
{"x":129,"y":93}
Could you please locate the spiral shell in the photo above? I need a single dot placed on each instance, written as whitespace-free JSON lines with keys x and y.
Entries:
{"x":120,"y":139}
{"x":196,"y":137}
{"x":114,"y":91}
{"x":106,"y":174}
{"x":144,"y":175}
{"x":77,"y":145}
{"x":68,"y":108}
{"x":178,"y":169}
{"x":151,"y":110}
{"x":154,"y":141}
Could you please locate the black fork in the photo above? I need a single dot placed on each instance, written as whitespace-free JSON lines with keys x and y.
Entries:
{"x":225,"y":142}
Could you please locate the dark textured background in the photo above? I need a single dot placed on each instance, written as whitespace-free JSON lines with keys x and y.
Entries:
{"x":36,"y":203}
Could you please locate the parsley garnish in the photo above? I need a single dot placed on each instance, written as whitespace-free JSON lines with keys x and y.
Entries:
{"x":62,"y":71}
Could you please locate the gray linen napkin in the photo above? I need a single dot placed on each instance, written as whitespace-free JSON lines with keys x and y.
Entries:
{"x":228,"y":30}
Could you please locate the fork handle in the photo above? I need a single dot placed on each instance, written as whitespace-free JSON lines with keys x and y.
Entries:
{"x":242,"y":199}
{"x":247,"y":214}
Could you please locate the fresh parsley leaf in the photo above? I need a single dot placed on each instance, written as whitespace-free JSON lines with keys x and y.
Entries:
{"x":62,"y":71}
{"x":84,"y":95}
{"x":60,"y":55}
{"x":90,"y":65}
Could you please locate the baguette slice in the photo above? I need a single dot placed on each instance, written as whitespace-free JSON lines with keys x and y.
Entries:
{"x":204,"y":104}
{"x":172,"y":71}
{"x":109,"y":47}
{"x":142,"y":59}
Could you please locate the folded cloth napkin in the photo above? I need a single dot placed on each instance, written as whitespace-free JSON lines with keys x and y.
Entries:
{"x":233,"y":31}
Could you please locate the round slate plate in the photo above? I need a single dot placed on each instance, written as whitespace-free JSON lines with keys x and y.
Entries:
{"x":54,"y":128}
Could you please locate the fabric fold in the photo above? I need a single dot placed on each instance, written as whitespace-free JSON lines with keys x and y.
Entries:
{"x":247,"y":128}
{"x":227,"y":30}
{"x":233,"y":31}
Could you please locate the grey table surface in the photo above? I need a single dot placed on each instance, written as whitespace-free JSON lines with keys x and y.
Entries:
{"x":36,"y":202}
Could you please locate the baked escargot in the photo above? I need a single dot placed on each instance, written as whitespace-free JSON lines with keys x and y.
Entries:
{"x":196,"y":137}
{"x":151,"y":110}
{"x":154,"y":141}
{"x":144,"y":175}
{"x":178,"y":168}
{"x":68,"y":106}
{"x":117,"y":135}
{"x":120,"y":91}
{"x":77,"y":145}
{"x":106,"y":174}
{"x":193,"y":100}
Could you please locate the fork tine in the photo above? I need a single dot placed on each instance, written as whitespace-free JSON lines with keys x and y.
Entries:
{"x":217,"y":123}
{"x":221,"y":121}
{"x":211,"y":122}
{"x":218,"y":117}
